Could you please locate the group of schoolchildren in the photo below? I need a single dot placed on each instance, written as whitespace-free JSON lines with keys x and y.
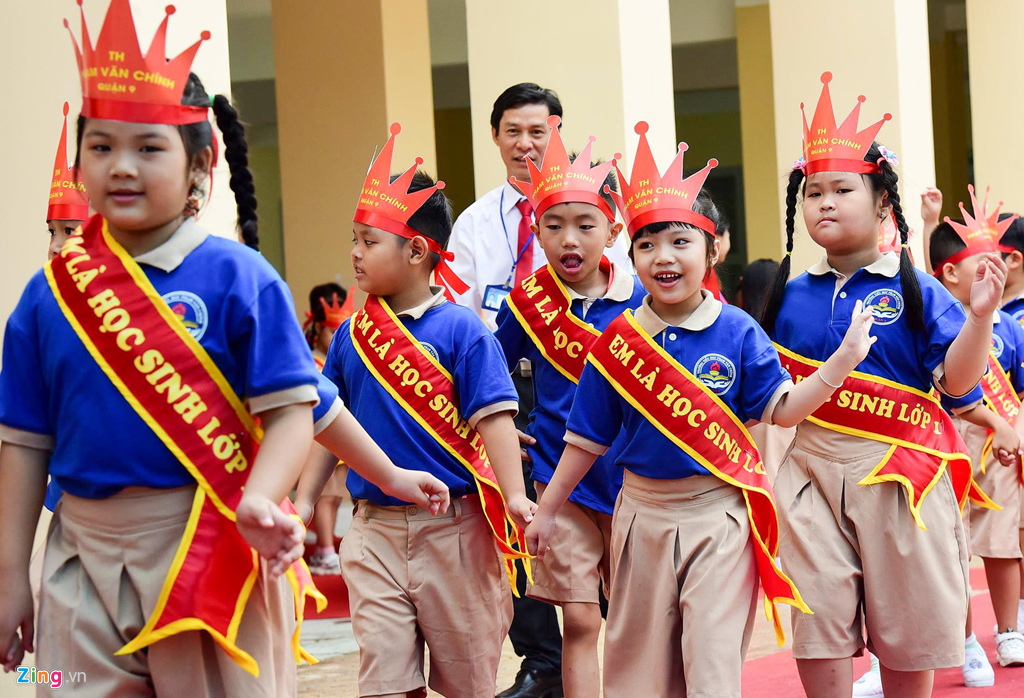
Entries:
{"x":145,"y":364}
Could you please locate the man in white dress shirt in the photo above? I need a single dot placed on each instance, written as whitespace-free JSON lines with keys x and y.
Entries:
{"x":493,"y":245}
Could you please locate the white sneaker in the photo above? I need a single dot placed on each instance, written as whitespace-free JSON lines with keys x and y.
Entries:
{"x":1010,"y":649}
{"x":868,"y":686}
{"x":326,"y":563}
{"x":977,"y":669}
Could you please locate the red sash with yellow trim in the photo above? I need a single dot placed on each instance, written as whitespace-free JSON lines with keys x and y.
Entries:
{"x":424,"y":389}
{"x":698,"y":422}
{"x":1002,"y":399}
{"x":922,"y":436}
{"x":541,"y":304}
{"x":173,"y":384}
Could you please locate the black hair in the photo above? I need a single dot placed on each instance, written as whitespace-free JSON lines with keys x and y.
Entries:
{"x":1014,"y":235}
{"x":702,"y":205}
{"x":236,"y":151}
{"x":433,"y":220}
{"x":723,"y":224}
{"x":316,"y":309}
{"x":754,"y":284}
{"x":521,"y":94}
{"x":944,"y":244}
{"x":610,"y":181}
{"x":884,"y":182}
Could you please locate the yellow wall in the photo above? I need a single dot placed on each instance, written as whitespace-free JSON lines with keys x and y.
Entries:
{"x":994,"y":32}
{"x":761,"y":172}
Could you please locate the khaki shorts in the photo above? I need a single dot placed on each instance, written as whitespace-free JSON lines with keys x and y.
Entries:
{"x":416,"y":578}
{"x":578,"y":559}
{"x":105,"y":564}
{"x":335,"y":486}
{"x":992,"y":534}
{"x":685,"y":589}
{"x":862,"y":563}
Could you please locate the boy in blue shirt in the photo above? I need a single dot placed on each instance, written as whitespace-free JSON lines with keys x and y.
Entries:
{"x":993,"y":535}
{"x":575,"y":224}
{"x":428,"y":382}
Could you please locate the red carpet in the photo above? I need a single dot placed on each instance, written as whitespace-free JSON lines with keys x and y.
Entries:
{"x":775,"y":676}
{"x":333,"y":587}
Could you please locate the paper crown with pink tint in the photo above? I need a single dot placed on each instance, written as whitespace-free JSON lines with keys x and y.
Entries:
{"x":121,"y":84}
{"x":981,"y":232}
{"x":559,"y":180}
{"x":650,"y":197}
{"x":68,"y":198}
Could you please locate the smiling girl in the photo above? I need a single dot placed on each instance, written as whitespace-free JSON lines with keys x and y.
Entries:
{"x":680,"y":377}
{"x":872,"y":468}
{"x":132,"y":368}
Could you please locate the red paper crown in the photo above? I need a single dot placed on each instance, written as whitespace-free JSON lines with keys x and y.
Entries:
{"x":842,"y":149}
{"x":68,"y":199}
{"x":558,"y":180}
{"x":652,"y":198}
{"x":389,"y":205}
{"x":981,"y":232}
{"x":119,"y":83}
{"x":335,"y":314}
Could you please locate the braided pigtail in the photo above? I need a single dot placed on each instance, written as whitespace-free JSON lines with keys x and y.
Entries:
{"x":773,"y":301}
{"x":236,"y":152}
{"x":909,"y":285}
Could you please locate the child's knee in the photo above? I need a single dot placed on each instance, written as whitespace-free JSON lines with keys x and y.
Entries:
{"x":581,"y":620}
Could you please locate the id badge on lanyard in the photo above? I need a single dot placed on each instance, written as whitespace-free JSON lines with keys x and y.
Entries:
{"x":494,"y":296}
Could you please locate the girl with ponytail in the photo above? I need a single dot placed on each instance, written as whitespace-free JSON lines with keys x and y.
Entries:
{"x":872,"y":467}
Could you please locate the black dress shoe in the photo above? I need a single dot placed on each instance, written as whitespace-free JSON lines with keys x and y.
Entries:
{"x":534,"y":684}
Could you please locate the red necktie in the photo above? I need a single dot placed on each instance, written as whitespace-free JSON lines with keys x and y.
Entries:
{"x":525,"y":266}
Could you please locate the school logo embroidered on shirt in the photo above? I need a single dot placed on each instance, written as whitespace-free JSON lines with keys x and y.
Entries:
{"x":1019,"y":317}
{"x":997,"y":345}
{"x":429,"y":348}
{"x":191,"y":310}
{"x":716,"y":372}
{"x":885,"y":304}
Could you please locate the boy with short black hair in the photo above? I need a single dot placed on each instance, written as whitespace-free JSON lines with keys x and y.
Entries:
{"x":427,"y":381}
{"x":551,"y":319}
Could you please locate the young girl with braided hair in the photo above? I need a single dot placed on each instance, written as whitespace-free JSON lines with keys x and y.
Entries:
{"x":881,"y":461}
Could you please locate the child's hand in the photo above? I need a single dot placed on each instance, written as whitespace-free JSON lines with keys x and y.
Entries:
{"x":987,"y":289}
{"x":17,"y":612}
{"x":420,"y":488}
{"x":858,"y":339}
{"x":1006,"y":444}
{"x":525,"y":440}
{"x":521,"y":508}
{"x":931,"y":205}
{"x":538,"y":534}
{"x":275,"y":535}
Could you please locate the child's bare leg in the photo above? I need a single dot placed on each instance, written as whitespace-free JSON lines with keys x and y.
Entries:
{"x":827,"y":678}
{"x":581,"y":677}
{"x":907,"y":684}
{"x":969,"y":628}
{"x":324,"y":515}
{"x":1004,"y":585}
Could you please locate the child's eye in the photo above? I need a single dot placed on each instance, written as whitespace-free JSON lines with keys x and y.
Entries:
{"x":681,"y":241}
{"x":587,"y":227}
{"x":150,"y":149}
{"x":813,"y":195}
{"x":645,"y":245}
{"x":553,"y":227}
{"x":100,"y":148}
{"x":844,"y":191}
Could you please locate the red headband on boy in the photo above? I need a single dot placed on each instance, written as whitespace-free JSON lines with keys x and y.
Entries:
{"x":389,"y":205}
{"x":981,"y":232}
{"x":559,"y":180}
{"x":649,"y":197}
{"x":121,"y":84}
{"x":831,"y":149}
{"x":68,"y":198}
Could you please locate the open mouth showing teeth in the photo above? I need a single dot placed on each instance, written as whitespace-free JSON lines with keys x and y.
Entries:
{"x":667,"y":277}
{"x":571,"y":262}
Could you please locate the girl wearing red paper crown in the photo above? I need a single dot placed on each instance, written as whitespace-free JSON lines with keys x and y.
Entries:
{"x":695,"y":525}
{"x":68,"y":204}
{"x":144,"y":415}
{"x":881,"y":461}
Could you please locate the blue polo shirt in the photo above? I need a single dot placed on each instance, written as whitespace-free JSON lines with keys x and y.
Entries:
{"x":1015,"y":308}
{"x":554,"y":392}
{"x":723,"y":347}
{"x":54,"y":396}
{"x":462,"y":344}
{"x":816,"y":313}
{"x":1008,"y":348}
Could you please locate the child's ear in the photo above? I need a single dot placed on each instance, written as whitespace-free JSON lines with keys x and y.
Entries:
{"x":613,"y":234}
{"x":716,"y":251}
{"x":949,"y":275}
{"x":1015,"y":260}
{"x":419,"y":253}
{"x":201,"y":164}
